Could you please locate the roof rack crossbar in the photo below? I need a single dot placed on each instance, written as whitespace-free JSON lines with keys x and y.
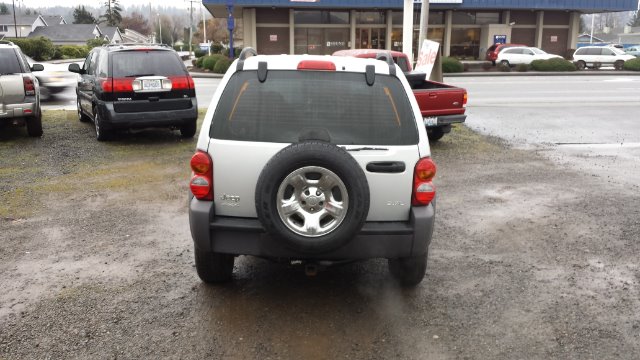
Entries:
{"x":244,"y":54}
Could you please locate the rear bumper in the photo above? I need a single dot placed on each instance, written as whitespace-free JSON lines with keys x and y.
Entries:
{"x":244,"y":236}
{"x":10,"y":111}
{"x":130,"y":120}
{"x":443,"y":120}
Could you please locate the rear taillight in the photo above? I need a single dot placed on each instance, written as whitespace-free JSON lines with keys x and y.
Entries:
{"x":29,"y":86}
{"x":423,"y":189}
{"x":116,"y":85}
{"x":182,"y":82}
{"x":464,"y":100}
{"x":202,"y":180}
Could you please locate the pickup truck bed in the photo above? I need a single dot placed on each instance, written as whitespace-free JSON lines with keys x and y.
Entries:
{"x":440,"y":104}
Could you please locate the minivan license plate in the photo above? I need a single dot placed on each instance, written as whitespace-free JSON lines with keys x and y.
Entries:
{"x":151,"y":84}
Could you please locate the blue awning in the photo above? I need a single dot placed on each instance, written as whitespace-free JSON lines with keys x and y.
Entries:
{"x":572,"y":5}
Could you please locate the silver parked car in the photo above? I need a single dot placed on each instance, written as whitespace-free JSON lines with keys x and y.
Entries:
{"x":19,"y":90}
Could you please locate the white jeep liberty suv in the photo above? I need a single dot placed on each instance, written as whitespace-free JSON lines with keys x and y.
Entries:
{"x":312,"y":159}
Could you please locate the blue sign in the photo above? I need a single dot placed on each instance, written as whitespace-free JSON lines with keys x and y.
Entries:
{"x":499,"y":39}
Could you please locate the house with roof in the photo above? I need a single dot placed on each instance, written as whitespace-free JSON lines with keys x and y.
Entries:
{"x":131,"y":36}
{"x":68,"y":34}
{"x":112,"y":34}
{"x":24,"y":24}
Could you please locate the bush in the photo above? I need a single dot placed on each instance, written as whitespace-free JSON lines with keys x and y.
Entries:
{"x":216,"y":48}
{"x":96,"y":43}
{"x":73,"y":51}
{"x":222,"y":65}
{"x":504,"y":68}
{"x":451,"y":65}
{"x":632,"y":65}
{"x":209,"y":62}
{"x":199,"y":53}
{"x":39,"y":48}
{"x":522,"y":67}
{"x":555,"y":64}
{"x":236,"y":52}
{"x":198,"y":61}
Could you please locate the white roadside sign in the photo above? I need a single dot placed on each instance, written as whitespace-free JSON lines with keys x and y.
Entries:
{"x":427,"y":57}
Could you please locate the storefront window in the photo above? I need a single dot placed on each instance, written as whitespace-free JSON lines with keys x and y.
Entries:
{"x":320,"y":41}
{"x":465,"y":43}
{"x":434,"y":34}
{"x":320,"y":17}
{"x":371,"y":17}
{"x":370,"y":38}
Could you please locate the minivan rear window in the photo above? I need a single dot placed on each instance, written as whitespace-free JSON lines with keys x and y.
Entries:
{"x":293,"y":105}
{"x":146,"y":63}
{"x":9,"y":63}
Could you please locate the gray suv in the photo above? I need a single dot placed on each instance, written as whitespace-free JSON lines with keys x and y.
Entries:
{"x":19,"y":90}
{"x":313,"y":160}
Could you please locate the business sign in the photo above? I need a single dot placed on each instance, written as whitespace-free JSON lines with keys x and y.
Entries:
{"x":427,"y":57}
{"x":273,"y":37}
{"x":499,"y":39}
{"x":554,"y":39}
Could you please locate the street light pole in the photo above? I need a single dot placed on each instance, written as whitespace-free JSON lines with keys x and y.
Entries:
{"x":424,"y":23}
{"x":204,"y":27}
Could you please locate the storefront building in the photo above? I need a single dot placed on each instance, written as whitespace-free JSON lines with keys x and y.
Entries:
{"x":464,"y":28}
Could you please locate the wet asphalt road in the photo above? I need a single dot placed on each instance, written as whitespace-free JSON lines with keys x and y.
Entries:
{"x":591,"y":123}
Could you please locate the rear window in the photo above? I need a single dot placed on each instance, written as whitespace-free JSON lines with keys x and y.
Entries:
{"x":293,"y":104}
{"x":146,"y":63}
{"x":9,"y":63}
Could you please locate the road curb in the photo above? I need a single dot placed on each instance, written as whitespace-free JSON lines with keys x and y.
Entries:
{"x":206,"y":75}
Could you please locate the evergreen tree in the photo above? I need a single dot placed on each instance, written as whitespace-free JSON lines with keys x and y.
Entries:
{"x":82,"y":16}
{"x":4,"y":10}
{"x":112,"y":16}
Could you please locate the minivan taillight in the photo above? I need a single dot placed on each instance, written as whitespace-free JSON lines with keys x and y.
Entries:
{"x":29,"y":86}
{"x":182,"y":82}
{"x":116,"y":85}
{"x":202,"y":180}
{"x":423,"y":189}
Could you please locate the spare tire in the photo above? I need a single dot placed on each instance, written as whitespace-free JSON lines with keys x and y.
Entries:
{"x":313,"y":196}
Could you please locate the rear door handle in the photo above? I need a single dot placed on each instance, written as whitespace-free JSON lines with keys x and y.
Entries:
{"x":386,"y":166}
{"x":432,"y":95}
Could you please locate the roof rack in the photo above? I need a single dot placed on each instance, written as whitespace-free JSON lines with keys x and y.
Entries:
{"x":135,"y":44}
{"x":244,"y":54}
{"x":386,"y":57}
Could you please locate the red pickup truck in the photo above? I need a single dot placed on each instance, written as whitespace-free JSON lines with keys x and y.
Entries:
{"x":441,"y":105}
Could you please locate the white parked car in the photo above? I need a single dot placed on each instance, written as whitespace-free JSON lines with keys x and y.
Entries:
{"x":595,"y":56}
{"x":523,"y":55}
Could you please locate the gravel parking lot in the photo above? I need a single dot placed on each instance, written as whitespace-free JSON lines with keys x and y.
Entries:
{"x":529,"y":260}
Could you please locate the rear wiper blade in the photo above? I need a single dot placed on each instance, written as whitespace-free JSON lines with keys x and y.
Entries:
{"x":138,"y":75}
{"x":367,"y":148}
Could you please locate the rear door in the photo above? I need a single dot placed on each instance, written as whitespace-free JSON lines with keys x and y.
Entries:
{"x":11,"y":82}
{"x":87,"y":82}
{"x":254,"y":120}
{"x":145,"y":75}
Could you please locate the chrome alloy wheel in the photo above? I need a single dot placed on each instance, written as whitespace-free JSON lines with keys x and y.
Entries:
{"x":312,"y":201}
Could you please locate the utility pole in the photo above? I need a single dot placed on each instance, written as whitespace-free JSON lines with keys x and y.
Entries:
{"x":424,"y":23}
{"x":15,"y":22}
{"x":160,"y":28}
{"x":190,"y":27}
